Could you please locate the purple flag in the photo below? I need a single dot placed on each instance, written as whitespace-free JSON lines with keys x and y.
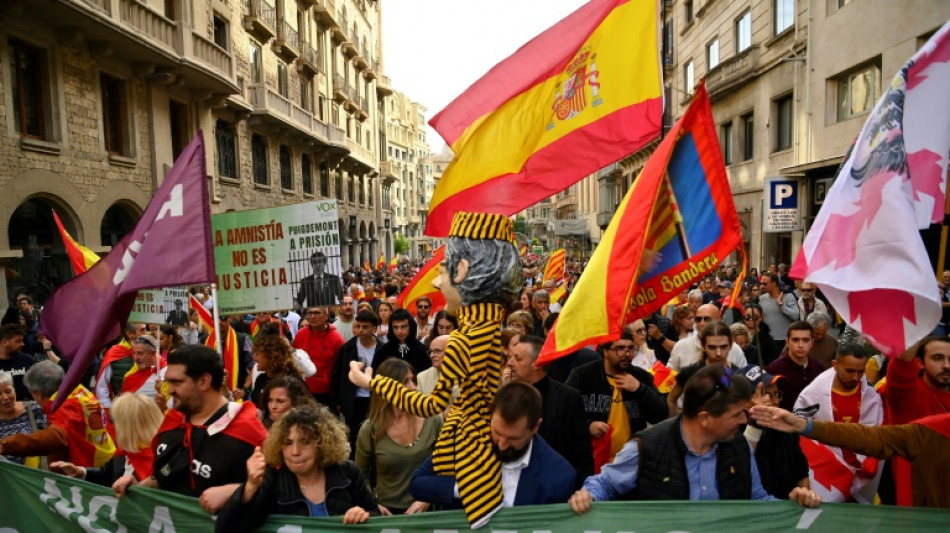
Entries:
{"x":170,"y":245}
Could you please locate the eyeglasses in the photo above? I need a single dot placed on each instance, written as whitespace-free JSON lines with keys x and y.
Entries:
{"x":621,"y":349}
{"x":724,"y":384}
{"x":751,"y":317}
{"x":422,"y":307}
{"x":436,"y":351}
{"x":640,"y":331}
{"x":807,"y":290}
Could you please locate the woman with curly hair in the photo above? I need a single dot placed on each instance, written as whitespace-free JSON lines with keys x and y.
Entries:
{"x":282,"y":394}
{"x":274,"y":357}
{"x":393,"y":443}
{"x":302,"y":471}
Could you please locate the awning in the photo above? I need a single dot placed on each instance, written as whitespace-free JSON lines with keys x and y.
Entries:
{"x":574,"y":226}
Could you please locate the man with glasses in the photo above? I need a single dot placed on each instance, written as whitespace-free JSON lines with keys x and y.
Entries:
{"x":321,"y":341}
{"x":689,"y":351}
{"x":761,"y":335}
{"x":619,"y":398}
{"x":349,"y":400}
{"x":423,"y":319}
{"x":700,"y":455}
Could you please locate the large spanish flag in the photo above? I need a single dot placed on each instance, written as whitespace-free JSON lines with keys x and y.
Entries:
{"x":421,"y":285}
{"x":678,"y":223}
{"x":554,"y":270}
{"x":80,"y":257}
{"x":583,"y":94}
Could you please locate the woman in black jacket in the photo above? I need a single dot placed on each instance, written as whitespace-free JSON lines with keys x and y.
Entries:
{"x":302,"y":471}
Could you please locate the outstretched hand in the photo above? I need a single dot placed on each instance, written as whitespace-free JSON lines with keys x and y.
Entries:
{"x":359,"y":375}
{"x":778,"y":419}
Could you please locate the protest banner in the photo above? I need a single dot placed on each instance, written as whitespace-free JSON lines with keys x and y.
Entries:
{"x":34,"y":500}
{"x":161,"y":306}
{"x":278,"y":258}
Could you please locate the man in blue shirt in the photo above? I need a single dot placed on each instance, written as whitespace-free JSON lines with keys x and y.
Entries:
{"x":699,"y":455}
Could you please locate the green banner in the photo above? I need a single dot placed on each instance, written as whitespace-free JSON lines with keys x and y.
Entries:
{"x":35,"y":501}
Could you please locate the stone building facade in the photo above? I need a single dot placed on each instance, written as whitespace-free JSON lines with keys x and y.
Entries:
{"x":100,"y":96}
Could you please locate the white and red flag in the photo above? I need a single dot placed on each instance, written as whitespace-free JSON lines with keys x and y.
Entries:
{"x":864,"y":250}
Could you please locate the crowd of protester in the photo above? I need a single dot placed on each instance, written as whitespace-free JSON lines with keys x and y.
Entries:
{"x":297,"y":437}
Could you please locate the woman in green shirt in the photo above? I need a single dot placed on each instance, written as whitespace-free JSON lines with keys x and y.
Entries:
{"x":392,"y":444}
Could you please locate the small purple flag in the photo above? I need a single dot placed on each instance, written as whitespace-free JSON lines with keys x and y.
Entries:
{"x":170,"y":245}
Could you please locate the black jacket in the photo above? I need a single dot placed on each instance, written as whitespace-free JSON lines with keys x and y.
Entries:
{"x":561,"y":368}
{"x":280,"y":494}
{"x":564,"y":426}
{"x":415,"y":353}
{"x":643,"y":406}
{"x":342,"y":390}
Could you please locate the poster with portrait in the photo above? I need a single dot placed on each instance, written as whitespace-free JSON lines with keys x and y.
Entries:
{"x":277,"y":258}
{"x":161,"y":306}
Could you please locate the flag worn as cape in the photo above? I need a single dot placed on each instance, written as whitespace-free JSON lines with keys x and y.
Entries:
{"x":864,"y":247}
{"x":170,"y":245}
{"x":554,"y":269}
{"x":421,"y":285}
{"x":92,"y":445}
{"x":136,"y":377}
{"x":204,"y":317}
{"x":658,"y":253}
{"x":80,"y":257}
{"x":581,"y":95}
{"x":831,"y":477}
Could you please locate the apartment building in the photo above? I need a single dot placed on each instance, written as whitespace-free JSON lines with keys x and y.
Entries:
{"x":100,"y":96}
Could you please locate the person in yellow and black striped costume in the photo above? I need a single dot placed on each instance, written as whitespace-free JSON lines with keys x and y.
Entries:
{"x":481,"y":273}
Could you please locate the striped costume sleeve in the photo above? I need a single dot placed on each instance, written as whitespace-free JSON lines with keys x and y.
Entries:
{"x":454,"y":368}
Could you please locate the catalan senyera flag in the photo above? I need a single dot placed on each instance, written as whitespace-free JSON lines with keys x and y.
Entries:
{"x":554,"y":269}
{"x":635,"y":271}
{"x":80,"y":257}
{"x":381,"y":263}
{"x":581,"y":95}
{"x":421,"y":285}
{"x":204,"y":317}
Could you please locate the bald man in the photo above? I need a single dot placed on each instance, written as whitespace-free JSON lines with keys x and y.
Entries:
{"x":688,"y":351}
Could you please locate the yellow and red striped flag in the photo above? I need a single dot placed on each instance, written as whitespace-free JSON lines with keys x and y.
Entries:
{"x":421,"y":285}
{"x":366,"y":265}
{"x":381,"y":264}
{"x":204,"y":317}
{"x":558,"y":293}
{"x":554,"y":269}
{"x":80,"y":257}
{"x":394,"y":263}
{"x":635,"y":271}
{"x":524,"y":251}
{"x":581,"y":95}
{"x":664,"y":377}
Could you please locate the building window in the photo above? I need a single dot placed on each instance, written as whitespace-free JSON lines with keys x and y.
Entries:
{"x":842,"y":3}
{"x":784,"y":15}
{"x":306,"y":100}
{"x":321,"y":101}
{"x":113,"y":105}
{"x":725,"y":138}
{"x":29,"y":100}
{"x":225,"y":139}
{"x":351,"y":190}
{"x":688,"y":10}
{"x":220,"y":32}
{"x":783,"y":118}
{"x":257,"y":68}
{"x":362,"y":189}
{"x":688,"y":77}
{"x":339,"y":185}
{"x":283,"y":86}
{"x":306,"y":174}
{"x":744,"y":32}
{"x":748,"y":136}
{"x":712,"y":54}
{"x":286,"y":168}
{"x":324,"y":180}
{"x":858,"y":91}
{"x":259,"y":159}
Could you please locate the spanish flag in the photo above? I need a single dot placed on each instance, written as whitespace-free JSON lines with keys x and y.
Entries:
{"x":381,"y":264}
{"x":204,"y":317}
{"x":679,"y":223}
{"x":366,"y":265}
{"x":581,"y":95}
{"x":554,"y":270}
{"x":421,"y":285}
{"x":80,"y":257}
{"x":394,"y":263}
{"x":664,"y":377}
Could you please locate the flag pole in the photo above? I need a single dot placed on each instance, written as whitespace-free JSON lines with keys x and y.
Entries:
{"x":944,"y":230}
{"x":158,"y":362}
{"x":217,"y":321}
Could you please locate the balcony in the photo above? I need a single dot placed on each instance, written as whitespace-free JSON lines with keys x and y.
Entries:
{"x":362,"y":113}
{"x":339,"y":89}
{"x":387,"y":172}
{"x":287,"y":41}
{"x":308,"y":3}
{"x":384,"y":86}
{"x":338,"y":29}
{"x":309,"y":62}
{"x":360,"y":156}
{"x":733,"y":73}
{"x":271,"y":108}
{"x":260,"y":19}
{"x":370,"y":73}
{"x":361,"y":62}
{"x":348,"y":49}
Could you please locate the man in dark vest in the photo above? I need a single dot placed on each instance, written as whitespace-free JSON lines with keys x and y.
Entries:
{"x":699,"y":455}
